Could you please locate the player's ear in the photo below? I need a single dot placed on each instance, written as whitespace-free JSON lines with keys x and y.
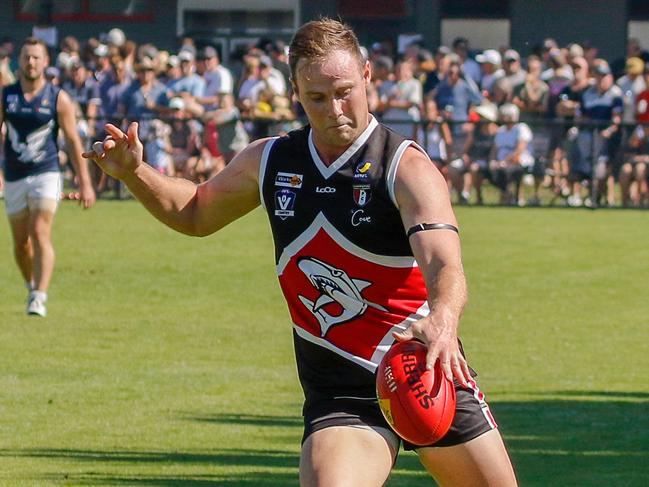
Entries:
{"x":367,"y":73}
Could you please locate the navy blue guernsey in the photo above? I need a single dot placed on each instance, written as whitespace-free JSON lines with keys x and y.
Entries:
{"x":32,"y":130}
{"x":344,"y":262}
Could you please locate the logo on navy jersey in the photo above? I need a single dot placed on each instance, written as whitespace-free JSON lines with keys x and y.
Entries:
{"x":325,"y":189}
{"x":12,"y":103}
{"x":284,"y":203}
{"x":362,"y":194}
{"x":33,"y":149}
{"x":289,"y":180}
{"x":335,"y":286}
{"x":362,"y":171}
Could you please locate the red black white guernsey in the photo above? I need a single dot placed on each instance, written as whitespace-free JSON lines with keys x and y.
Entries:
{"x":343,"y":259}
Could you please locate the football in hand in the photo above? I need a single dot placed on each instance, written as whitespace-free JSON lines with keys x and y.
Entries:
{"x":418,"y":403}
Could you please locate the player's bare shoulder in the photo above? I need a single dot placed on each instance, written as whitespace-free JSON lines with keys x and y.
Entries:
{"x":416,"y":169}
{"x":248,"y":161}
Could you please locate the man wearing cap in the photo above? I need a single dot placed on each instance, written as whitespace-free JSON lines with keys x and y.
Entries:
{"x":33,"y":111}
{"x":490,"y":64}
{"x":145,"y":95}
{"x":602,"y":103}
{"x":567,"y":178}
{"x":513,"y":70}
{"x":84,"y":91}
{"x":103,"y":73}
{"x":631,"y":84}
{"x":218,"y":78}
{"x":190,"y":86}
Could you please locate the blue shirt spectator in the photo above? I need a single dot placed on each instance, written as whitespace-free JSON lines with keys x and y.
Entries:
{"x":144,"y":94}
{"x":455,"y":96}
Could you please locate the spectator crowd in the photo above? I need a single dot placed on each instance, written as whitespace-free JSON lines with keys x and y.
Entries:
{"x":559,"y":124}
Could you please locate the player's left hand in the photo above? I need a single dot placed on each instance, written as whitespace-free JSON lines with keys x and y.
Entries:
{"x":440,"y":336}
{"x":87,"y":196}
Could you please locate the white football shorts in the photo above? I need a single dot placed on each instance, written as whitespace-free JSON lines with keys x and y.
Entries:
{"x":41,"y":191}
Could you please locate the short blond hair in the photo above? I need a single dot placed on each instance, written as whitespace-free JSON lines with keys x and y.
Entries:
{"x":315,"y":39}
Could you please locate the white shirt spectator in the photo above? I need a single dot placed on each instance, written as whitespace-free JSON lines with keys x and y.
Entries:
{"x":433,"y":142}
{"x":631,"y":88}
{"x":250,"y":89}
{"x":507,"y":139}
{"x":218,"y":81}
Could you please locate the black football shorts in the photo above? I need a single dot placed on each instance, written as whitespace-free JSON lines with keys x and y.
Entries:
{"x":472,"y":416}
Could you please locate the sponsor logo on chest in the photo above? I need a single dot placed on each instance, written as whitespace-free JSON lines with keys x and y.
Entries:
{"x":361,"y":173}
{"x":359,"y":217}
{"x":289,"y":180}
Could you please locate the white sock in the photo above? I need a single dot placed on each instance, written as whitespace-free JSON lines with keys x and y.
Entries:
{"x":29,"y":285}
{"x":40,"y":295}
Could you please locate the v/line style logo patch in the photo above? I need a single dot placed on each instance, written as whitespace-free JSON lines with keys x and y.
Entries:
{"x":285,"y":203}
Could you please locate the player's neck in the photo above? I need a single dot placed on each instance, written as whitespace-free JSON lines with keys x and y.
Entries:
{"x":32,"y":86}
{"x":330,"y":153}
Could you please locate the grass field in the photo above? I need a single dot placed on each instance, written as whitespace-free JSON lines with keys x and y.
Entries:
{"x":167,"y":360}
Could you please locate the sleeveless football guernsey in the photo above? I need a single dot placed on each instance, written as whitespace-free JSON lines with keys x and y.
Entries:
{"x":32,"y":130}
{"x":343,"y":259}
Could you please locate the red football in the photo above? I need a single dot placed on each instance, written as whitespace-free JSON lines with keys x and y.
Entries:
{"x":418,"y":403}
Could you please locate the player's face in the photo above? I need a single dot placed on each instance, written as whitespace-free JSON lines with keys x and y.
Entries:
{"x":332,"y":92}
{"x":33,"y":61}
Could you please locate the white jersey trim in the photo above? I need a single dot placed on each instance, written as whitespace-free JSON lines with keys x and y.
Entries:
{"x":262,"y":168}
{"x":328,"y":171}
{"x":321,"y":222}
{"x":484,"y":407}
{"x":387,"y":341}
{"x":394,"y":165}
{"x":380,"y":351}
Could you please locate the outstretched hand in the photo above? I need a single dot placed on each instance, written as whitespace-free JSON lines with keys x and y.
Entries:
{"x":441,"y":339}
{"x":120,"y":153}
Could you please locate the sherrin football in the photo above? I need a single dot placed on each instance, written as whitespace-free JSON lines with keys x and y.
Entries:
{"x":418,"y":403}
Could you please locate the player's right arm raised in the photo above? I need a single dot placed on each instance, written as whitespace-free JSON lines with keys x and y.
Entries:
{"x":192,"y":209}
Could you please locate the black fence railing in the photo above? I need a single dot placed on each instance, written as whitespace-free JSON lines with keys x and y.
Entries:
{"x":565,"y":152}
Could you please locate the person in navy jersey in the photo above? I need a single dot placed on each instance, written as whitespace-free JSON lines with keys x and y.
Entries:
{"x":339,"y":194}
{"x":33,"y":111}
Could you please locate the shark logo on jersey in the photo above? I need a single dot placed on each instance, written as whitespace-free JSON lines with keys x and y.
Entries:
{"x":335,"y":286}
{"x":33,"y":149}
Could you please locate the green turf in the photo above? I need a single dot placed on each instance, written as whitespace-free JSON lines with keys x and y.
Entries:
{"x":167,"y":360}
